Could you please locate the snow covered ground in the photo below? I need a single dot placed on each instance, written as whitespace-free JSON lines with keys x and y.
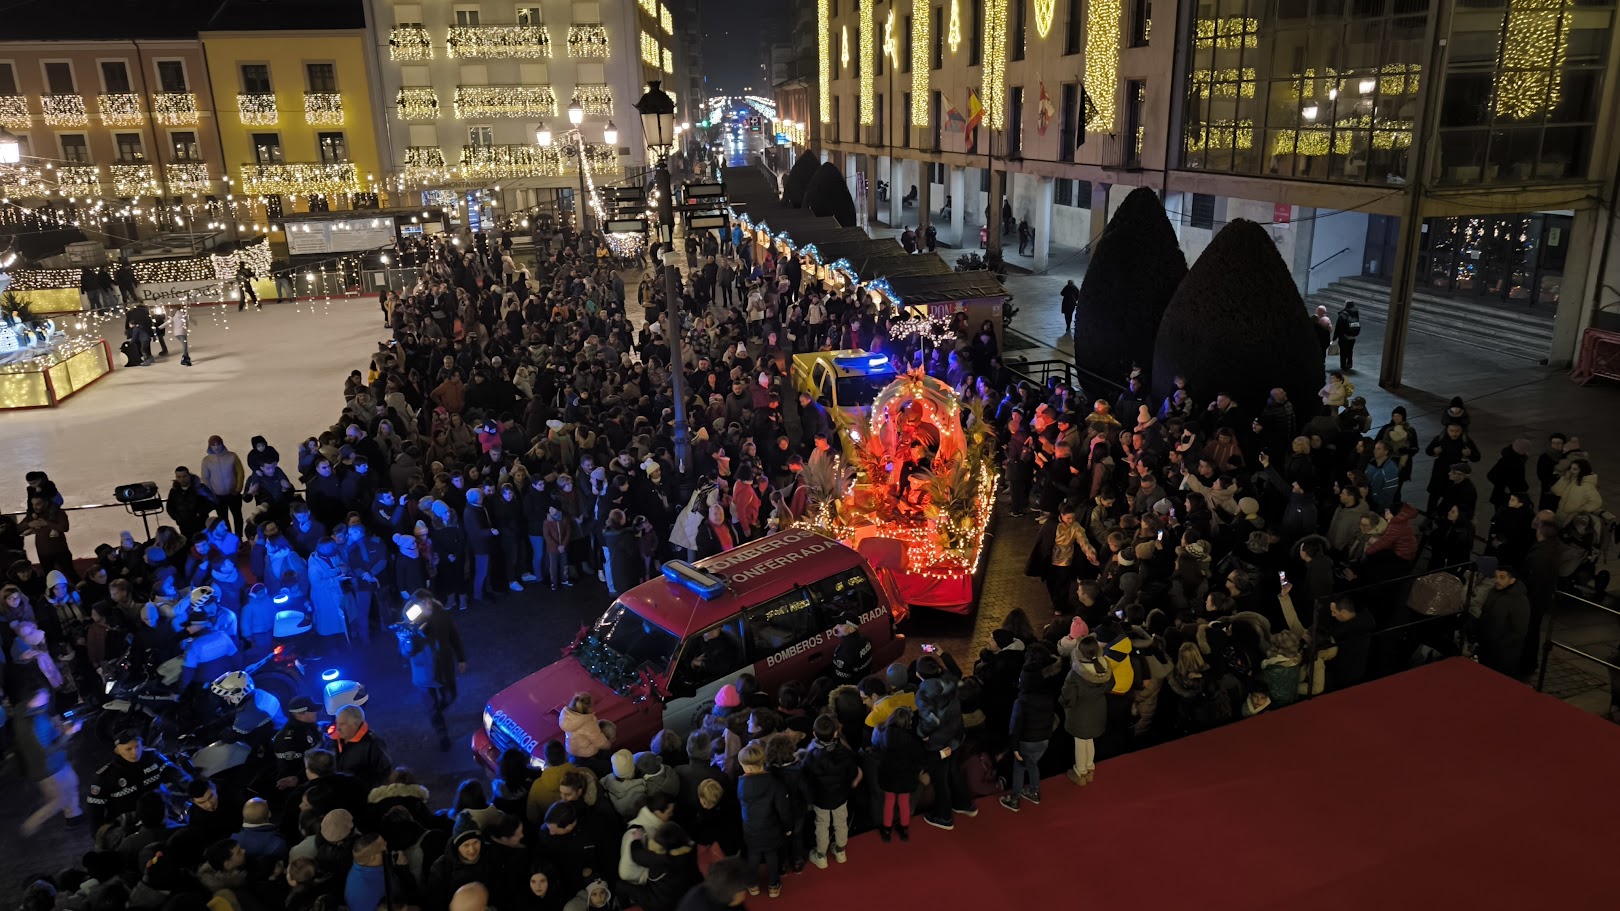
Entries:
{"x":276,"y":373}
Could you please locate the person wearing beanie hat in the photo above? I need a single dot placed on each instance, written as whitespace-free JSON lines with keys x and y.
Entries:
{"x":452,"y":583}
{"x":624,"y":789}
{"x":337,"y":825}
{"x":463,"y":863}
{"x":1451,"y":446}
{"x":727,"y":698}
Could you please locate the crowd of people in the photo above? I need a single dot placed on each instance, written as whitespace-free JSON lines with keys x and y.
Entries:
{"x":1205,"y":563}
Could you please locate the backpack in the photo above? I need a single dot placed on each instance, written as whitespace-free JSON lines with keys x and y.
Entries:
{"x":1352,"y":324}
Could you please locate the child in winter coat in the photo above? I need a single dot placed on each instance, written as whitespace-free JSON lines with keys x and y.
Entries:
{"x":766,"y":816}
{"x":832,"y":773}
{"x":582,"y":733}
{"x":900,"y":764}
{"x":1085,"y":706}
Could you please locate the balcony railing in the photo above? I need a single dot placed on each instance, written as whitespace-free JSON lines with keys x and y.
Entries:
{"x":587,"y":41}
{"x":323,"y":109}
{"x":83,"y":178}
{"x":187,"y":177}
{"x":14,"y":112}
{"x":505,"y":101}
{"x":175,"y":109}
{"x":134,"y":179}
{"x":424,"y":162}
{"x":257,"y":109}
{"x":417,"y":104}
{"x":510,"y":161}
{"x":64,"y":110}
{"x":491,"y":41}
{"x":120,"y":109}
{"x":300,"y":179}
{"x":410,"y":43}
{"x":595,"y":99}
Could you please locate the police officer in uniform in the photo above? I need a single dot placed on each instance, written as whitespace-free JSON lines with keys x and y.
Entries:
{"x":298,"y":736}
{"x":852,"y":659}
{"x":133,"y":771}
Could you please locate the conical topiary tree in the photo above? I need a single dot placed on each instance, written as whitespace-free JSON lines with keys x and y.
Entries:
{"x":1135,"y":268}
{"x":828,"y":195}
{"x":798,"y":179}
{"x":1237,"y":325}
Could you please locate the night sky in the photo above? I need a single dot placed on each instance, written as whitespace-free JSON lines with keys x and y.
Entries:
{"x":735,"y":38}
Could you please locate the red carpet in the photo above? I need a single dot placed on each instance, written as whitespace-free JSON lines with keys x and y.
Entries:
{"x":1448,"y":786}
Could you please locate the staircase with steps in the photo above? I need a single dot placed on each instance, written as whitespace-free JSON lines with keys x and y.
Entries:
{"x":1518,"y":333}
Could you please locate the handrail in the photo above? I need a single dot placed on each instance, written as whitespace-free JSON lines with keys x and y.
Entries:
{"x":1549,"y":642}
{"x":1324,"y":262}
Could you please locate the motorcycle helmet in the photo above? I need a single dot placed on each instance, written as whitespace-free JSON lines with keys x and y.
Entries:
{"x":233,"y":686}
{"x":202,"y":598}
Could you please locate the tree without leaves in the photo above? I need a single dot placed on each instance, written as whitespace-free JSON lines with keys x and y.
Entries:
{"x":828,"y":195}
{"x":1134,"y":271}
{"x":798,"y":179}
{"x":1237,"y":325}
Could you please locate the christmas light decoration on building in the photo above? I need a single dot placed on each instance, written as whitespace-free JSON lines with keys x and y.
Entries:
{"x":14,"y":112}
{"x":1226,"y":34}
{"x":257,"y":109}
{"x":1227,"y":83}
{"x":300,"y":179}
{"x":650,"y":7}
{"x":669,"y":62}
{"x":587,"y":41}
{"x":649,"y":50}
{"x":953,"y":34}
{"x":996,"y":13}
{"x":120,"y":109}
{"x":133,"y":179}
{"x":1221,"y":134}
{"x":824,"y":45}
{"x":665,"y":22}
{"x":868,"y":85}
{"x":175,"y":109}
{"x":64,"y":110}
{"x":1312,"y":142}
{"x":1398,"y":78}
{"x":595,"y":99}
{"x":424,"y":162}
{"x":78,"y":180}
{"x":843,"y":48}
{"x":1531,"y":59}
{"x":889,"y":48}
{"x":187,"y":177}
{"x":417,"y":104}
{"x":409,"y":42}
{"x":503,"y":161}
{"x":324,"y":109}
{"x":919,"y":66}
{"x":479,"y":101}
{"x":1045,"y":10}
{"x":1102,"y":64}
{"x":477,"y":42}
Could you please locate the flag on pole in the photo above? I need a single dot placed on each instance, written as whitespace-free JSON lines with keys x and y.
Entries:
{"x":1045,"y":113}
{"x":953,"y":117}
{"x":975,"y":116}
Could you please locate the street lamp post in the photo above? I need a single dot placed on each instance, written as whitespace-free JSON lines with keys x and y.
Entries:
{"x":657,"y":112}
{"x":542,"y":138}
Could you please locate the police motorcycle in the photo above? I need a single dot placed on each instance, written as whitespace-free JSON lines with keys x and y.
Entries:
{"x":241,"y":754}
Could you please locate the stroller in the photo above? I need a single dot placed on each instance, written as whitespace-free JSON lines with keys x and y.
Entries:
{"x":1587,"y":540}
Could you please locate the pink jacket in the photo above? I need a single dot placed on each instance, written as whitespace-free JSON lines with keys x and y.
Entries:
{"x":581,"y":734}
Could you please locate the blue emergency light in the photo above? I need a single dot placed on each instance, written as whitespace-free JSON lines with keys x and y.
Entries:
{"x":281,"y":598}
{"x":330,"y":674}
{"x":706,"y":585}
{"x":865,"y":363}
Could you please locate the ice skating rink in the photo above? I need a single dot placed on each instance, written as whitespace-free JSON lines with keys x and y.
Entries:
{"x":277,"y":373}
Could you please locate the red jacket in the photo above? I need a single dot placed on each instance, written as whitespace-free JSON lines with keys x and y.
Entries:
{"x":1400,"y":537}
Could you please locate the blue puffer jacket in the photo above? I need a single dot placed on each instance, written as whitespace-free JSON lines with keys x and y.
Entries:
{"x":939,"y":714}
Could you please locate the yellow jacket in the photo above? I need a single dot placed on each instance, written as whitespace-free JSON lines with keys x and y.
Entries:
{"x":1118,"y":654}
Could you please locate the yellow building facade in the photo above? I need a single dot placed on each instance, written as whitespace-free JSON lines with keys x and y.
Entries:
{"x":298,"y":127}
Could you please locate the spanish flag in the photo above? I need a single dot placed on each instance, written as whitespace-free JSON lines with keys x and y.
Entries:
{"x":975,"y":117}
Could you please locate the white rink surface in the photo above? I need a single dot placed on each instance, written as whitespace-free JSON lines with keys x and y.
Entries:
{"x":276,"y":373}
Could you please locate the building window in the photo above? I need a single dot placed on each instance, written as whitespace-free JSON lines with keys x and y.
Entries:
{"x":1068,"y":120}
{"x":879,"y":137}
{"x":1082,"y":194}
{"x":267,"y":148}
{"x":481,"y":136}
{"x":130,"y":150}
{"x":172,"y":77}
{"x":467,"y":17}
{"x":1141,"y":22}
{"x":937,"y":118}
{"x":59,"y":78}
{"x":878,"y":59}
{"x":333,"y":148}
{"x":1072,"y":23}
{"x":256,"y":79}
{"x":976,"y":42}
{"x":905,"y":120}
{"x":185,"y":146}
{"x":984,"y":180}
{"x":1135,"y":102}
{"x":1020,"y":35}
{"x":75,"y":149}
{"x":905,"y":53}
{"x":114,"y":77}
{"x":837,"y":120}
{"x":8,"y":80}
{"x":1015,"y":123}
{"x":528,"y":16}
{"x":1063,"y":192}
{"x":936,"y":34}
{"x":321,"y":77}
{"x":1202,"y":213}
